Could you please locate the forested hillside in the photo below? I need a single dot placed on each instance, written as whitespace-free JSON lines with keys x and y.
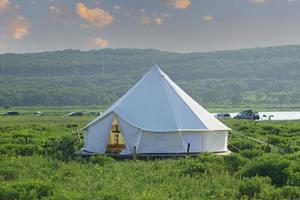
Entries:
{"x":98,"y":77}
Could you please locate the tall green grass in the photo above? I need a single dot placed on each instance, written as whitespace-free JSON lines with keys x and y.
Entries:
{"x":37,"y":162}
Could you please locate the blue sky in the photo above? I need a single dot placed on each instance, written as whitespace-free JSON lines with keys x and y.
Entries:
{"x":172,"y":25}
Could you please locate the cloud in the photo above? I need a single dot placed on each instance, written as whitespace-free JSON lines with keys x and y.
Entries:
{"x":54,"y":10}
{"x":18,"y":27}
{"x":4,"y":4}
{"x":145,"y":19}
{"x":179,"y":4}
{"x":117,"y":7}
{"x":154,"y":19}
{"x":207,"y":18}
{"x":14,"y":26}
{"x":95,"y":16}
{"x":99,"y":42}
{"x":257,"y":1}
{"x":158,"y":20}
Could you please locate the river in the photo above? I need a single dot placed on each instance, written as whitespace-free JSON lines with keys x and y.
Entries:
{"x":277,"y":115}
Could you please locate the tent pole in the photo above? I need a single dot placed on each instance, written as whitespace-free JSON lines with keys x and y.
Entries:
{"x":188,"y":148}
{"x":134,"y":153}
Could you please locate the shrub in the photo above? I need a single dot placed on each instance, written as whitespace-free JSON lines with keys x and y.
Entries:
{"x":101,"y":160}
{"x":25,"y":150}
{"x":234,"y":162}
{"x":8,"y":193}
{"x":294,"y":177}
{"x":19,"y":149}
{"x":62,"y":148}
{"x":250,"y":153}
{"x":275,"y":140}
{"x":205,"y":163}
{"x":8,"y":174}
{"x":68,"y":145}
{"x":290,"y":192}
{"x":243,"y":144}
{"x":252,"y":187}
{"x":25,"y":190}
{"x":271,"y":130}
{"x":272,"y":165}
{"x":71,"y":125}
{"x":192,"y":167}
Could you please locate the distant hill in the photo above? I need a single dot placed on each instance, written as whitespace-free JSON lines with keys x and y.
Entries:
{"x":98,"y":77}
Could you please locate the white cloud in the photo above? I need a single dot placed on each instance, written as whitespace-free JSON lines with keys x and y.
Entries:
{"x":258,"y":1}
{"x":14,"y":26}
{"x":158,"y":20}
{"x":99,"y":42}
{"x":154,"y":19}
{"x":207,"y":18}
{"x":95,"y":16}
{"x":145,"y":19}
{"x":54,"y":10}
{"x":18,"y":27}
{"x":117,"y":7}
{"x":179,"y":4}
{"x":4,"y":4}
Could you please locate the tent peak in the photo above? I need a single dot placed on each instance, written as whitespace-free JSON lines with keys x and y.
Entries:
{"x":155,"y":69}
{"x":155,"y":66}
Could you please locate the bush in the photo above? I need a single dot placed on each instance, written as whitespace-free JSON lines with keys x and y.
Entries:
{"x":101,"y":160}
{"x":8,"y":174}
{"x":193,"y":167}
{"x":9,"y":193}
{"x":205,"y":163}
{"x":294,"y":177}
{"x":273,"y":166}
{"x":271,"y":130}
{"x":68,"y":145}
{"x":26,"y":190}
{"x":19,"y":149}
{"x":275,"y":140}
{"x":290,"y":192}
{"x":242,"y":145}
{"x":250,"y":153}
{"x":234,"y":162}
{"x":62,"y":148}
{"x":252,"y":187}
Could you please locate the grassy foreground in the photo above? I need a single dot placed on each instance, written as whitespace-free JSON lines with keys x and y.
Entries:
{"x":36,"y":162}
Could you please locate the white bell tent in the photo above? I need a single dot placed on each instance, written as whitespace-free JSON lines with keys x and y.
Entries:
{"x":156,"y":116}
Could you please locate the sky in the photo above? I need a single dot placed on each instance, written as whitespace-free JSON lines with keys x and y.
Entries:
{"x":169,"y":25}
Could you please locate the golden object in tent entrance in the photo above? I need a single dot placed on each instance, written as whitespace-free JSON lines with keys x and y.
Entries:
{"x":116,"y":135}
{"x":115,"y":142}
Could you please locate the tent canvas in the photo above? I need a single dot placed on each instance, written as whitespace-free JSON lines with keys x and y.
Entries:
{"x":157,"y":116}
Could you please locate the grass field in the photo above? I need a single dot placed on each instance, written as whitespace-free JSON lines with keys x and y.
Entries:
{"x":37,"y":162}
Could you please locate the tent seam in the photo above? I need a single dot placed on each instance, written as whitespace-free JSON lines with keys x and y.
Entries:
{"x":187,"y":105}
{"x":183,"y":142}
{"x":116,"y":104}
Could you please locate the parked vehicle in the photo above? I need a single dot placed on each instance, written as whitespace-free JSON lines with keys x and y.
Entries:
{"x":95,"y":113}
{"x":38,"y":113}
{"x":10,"y":113}
{"x":222,"y":115}
{"x":248,"y":114}
{"x":72,"y":114}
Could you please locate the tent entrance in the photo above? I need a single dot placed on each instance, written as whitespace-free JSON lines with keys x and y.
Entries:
{"x":115,"y":143}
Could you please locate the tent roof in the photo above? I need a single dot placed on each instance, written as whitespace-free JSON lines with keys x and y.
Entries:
{"x":155,"y":103}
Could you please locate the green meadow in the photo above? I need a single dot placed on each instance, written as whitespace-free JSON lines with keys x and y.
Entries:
{"x":37,"y":162}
